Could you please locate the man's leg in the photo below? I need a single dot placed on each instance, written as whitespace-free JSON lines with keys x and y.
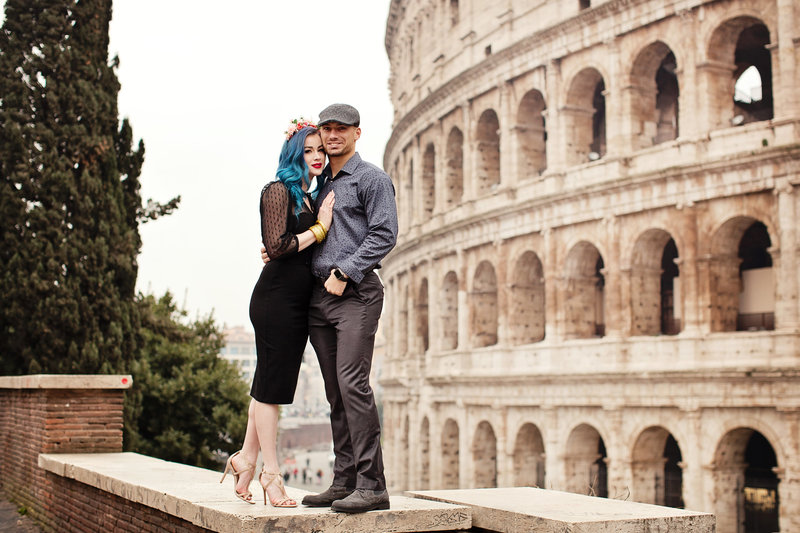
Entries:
{"x":356,"y":321}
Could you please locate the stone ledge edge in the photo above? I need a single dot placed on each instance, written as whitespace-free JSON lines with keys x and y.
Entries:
{"x":67,"y":381}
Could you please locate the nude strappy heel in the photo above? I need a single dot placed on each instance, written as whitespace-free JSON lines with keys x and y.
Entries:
{"x":275,"y":477}
{"x":247,"y":496}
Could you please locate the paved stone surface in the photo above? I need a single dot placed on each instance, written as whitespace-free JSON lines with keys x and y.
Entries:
{"x":13,"y":522}
{"x":195,"y":494}
{"x":524,"y":509}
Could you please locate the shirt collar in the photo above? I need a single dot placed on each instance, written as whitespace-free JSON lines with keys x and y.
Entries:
{"x":348,"y":167}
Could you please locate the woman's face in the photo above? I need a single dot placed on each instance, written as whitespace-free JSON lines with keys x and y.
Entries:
{"x":314,"y":154}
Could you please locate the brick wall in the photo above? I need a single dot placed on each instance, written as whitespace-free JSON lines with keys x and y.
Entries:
{"x":68,"y":414}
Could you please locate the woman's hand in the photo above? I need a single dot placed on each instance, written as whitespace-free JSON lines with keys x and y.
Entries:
{"x":326,"y":210}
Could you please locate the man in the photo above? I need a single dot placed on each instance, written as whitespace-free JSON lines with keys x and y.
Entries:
{"x":345,"y":307}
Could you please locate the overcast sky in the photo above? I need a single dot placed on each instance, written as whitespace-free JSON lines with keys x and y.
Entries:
{"x":210,"y":87}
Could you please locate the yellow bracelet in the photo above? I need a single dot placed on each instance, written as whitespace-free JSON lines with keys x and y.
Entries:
{"x":323,"y":226}
{"x":319,"y":232}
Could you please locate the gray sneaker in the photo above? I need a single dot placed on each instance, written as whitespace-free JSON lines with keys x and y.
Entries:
{"x":362,"y":500}
{"x":324,"y":499}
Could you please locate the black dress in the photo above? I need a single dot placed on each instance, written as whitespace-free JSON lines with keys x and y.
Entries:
{"x":279,"y":305}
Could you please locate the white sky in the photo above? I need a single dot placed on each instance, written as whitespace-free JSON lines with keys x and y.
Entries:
{"x":210,"y":87}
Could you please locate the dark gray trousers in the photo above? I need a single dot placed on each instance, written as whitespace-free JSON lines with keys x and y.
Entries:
{"x":342,"y":331}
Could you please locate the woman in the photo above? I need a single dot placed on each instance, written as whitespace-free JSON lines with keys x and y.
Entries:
{"x":279,"y":305}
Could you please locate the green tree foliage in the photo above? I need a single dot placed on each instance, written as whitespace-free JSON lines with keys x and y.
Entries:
{"x":187,"y":404}
{"x":69,"y":193}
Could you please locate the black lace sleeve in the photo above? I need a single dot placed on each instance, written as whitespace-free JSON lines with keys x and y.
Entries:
{"x":275,"y":234}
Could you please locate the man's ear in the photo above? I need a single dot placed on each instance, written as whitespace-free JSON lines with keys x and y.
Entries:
{"x":358,"y":133}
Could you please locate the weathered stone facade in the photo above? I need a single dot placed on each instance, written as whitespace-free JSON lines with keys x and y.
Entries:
{"x":595,"y":288}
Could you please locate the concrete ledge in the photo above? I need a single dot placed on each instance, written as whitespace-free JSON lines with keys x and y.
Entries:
{"x":195,"y":495}
{"x":67,"y":381}
{"x":524,"y":509}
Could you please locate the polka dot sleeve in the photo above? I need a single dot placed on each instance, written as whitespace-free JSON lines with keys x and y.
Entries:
{"x":275,"y":212}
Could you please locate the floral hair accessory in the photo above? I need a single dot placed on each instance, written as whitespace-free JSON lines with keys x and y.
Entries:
{"x":297,"y":125}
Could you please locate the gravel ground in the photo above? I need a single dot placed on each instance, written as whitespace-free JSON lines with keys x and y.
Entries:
{"x":13,"y":522}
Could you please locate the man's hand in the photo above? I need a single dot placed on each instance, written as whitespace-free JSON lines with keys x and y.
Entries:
{"x":334,"y":286}
{"x":264,"y":256}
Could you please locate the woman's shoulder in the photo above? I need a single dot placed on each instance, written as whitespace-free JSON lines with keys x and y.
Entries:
{"x":274,"y":187}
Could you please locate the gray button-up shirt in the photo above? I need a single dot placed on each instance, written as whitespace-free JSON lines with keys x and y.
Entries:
{"x":364,"y":227}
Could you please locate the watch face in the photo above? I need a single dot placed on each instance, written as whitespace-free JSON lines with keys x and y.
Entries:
{"x":339,"y":274}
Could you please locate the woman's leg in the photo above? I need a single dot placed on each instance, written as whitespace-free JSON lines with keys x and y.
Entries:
{"x":249,"y":451}
{"x":266,"y":416}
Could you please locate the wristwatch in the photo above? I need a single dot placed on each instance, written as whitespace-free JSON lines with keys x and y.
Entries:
{"x":341,"y":276}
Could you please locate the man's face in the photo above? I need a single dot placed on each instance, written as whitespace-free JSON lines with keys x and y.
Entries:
{"x":339,"y":139}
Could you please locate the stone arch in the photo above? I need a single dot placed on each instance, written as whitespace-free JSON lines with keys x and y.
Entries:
{"x":428,"y":181}
{"x":745,"y":482}
{"x":484,"y":456}
{"x":657,"y":468}
{"x":741,"y":278}
{"x":656,"y":94}
{"x":584,"y":292}
{"x":425,"y":455}
{"x":421,"y":312}
{"x":529,"y":458}
{"x":655,"y":285}
{"x":585,"y":462}
{"x":454,"y":181}
{"x":531,"y":132}
{"x":527,"y":313}
{"x":450,"y":455}
{"x":483,"y":306}
{"x":735,"y":45}
{"x":487,"y":136}
{"x":449,"y":311}
{"x":585,"y":117}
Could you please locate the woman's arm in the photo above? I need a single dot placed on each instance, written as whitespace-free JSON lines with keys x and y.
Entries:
{"x":276,"y":238}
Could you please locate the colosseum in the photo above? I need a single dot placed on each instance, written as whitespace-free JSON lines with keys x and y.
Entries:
{"x":595,"y":288}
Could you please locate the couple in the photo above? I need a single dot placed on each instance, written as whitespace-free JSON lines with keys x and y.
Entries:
{"x":319,"y":282}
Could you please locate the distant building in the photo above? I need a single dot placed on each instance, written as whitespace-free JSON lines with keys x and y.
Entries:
{"x":240,"y":348}
{"x":596,"y":284}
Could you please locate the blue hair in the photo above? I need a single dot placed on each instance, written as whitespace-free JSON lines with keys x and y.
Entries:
{"x":293,"y":170}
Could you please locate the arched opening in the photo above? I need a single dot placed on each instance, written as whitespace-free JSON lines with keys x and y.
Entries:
{"x":402,"y":322}
{"x":484,"y":456}
{"x":757,"y":297}
{"x":657,"y":472}
{"x":655,"y":287}
{"x":422,"y":315}
{"x":449,"y":315}
{"x":585,"y":117}
{"x":745,"y":483}
{"x":736,"y":95}
{"x":488,"y":139}
{"x":450,"y":460}
{"x":408,"y":208}
{"x":584,"y":4}
{"x":425,"y":455}
{"x":585,"y":462}
{"x":428,"y":181}
{"x":529,"y":459}
{"x":532,"y":134}
{"x":483,"y":306}
{"x":453,"y":12}
{"x":741,"y":277}
{"x":403,"y":470}
{"x":527,"y":317}
{"x":753,"y":87}
{"x":455,"y":168}
{"x":654,"y":102}
{"x":584,"y":293}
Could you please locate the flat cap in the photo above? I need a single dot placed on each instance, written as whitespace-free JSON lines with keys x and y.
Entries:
{"x":341,"y":113}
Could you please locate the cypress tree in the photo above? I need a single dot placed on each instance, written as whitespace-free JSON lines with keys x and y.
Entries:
{"x":69,"y":194}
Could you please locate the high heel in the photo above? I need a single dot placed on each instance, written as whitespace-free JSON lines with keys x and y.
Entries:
{"x":247,"y":496}
{"x":275,"y":477}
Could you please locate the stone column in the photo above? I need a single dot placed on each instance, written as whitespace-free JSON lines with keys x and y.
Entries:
{"x":787,"y":307}
{"x":470,"y":153}
{"x":785,"y":56}
{"x":509,"y":150}
{"x":614,"y":306}
{"x":554,"y":121}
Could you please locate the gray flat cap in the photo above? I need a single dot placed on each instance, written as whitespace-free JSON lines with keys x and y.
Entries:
{"x":341,"y":113}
